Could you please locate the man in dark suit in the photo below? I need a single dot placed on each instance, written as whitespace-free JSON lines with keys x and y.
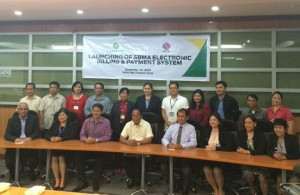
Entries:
{"x":21,"y":128}
{"x":224,"y":104}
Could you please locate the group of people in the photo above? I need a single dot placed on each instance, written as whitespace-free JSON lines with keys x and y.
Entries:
{"x":96,"y":119}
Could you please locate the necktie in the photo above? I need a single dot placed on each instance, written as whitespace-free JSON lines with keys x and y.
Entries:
{"x":179,"y":135}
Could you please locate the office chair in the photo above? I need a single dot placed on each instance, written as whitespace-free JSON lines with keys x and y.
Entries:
{"x":153,"y":119}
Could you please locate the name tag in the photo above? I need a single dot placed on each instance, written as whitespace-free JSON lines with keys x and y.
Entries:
{"x":76,"y":107}
{"x":122,"y":116}
{"x":171,"y":113}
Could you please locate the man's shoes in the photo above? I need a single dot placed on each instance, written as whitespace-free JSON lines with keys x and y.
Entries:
{"x":11,"y":179}
{"x":185,"y":190}
{"x":80,"y":186}
{"x":96,"y":185}
{"x":32,"y":176}
{"x":130,"y":183}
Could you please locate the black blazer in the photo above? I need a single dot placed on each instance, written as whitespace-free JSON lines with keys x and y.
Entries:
{"x":70,"y":131}
{"x":154,"y":104}
{"x":259,"y":142}
{"x":230,"y":107}
{"x":226,"y":143}
{"x":13,"y":129}
{"x":115,"y":118}
{"x":291,"y":146}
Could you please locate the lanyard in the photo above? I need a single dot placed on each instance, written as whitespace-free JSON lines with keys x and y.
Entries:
{"x":172,"y":106}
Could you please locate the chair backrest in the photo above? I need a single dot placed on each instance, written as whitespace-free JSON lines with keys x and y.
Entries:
{"x":230,"y":125}
{"x":265,"y":126}
{"x":30,"y":112}
{"x":107,"y":116}
{"x":197,"y":128}
{"x":153,"y":119}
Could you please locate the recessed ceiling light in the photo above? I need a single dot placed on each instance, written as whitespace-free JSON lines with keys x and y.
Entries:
{"x":18,"y":13}
{"x":145,"y":10}
{"x":248,"y":41}
{"x":210,"y":22}
{"x":215,"y":8}
{"x":80,"y":11}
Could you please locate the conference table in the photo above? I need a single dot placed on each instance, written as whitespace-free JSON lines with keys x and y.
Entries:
{"x":18,"y":191}
{"x":152,"y":149}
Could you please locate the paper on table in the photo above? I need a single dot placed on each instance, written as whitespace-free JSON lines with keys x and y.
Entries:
{"x":35,"y":190}
{"x":4,"y":186}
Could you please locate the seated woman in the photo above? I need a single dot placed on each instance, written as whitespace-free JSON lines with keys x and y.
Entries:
{"x":216,"y":138}
{"x":64,"y":128}
{"x":199,"y":110}
{"x":252,"y":142}
{"x":282,"y":146}
{"x":277,"y":110}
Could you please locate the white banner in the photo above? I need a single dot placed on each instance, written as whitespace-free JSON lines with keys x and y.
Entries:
{"x":181,"y":58}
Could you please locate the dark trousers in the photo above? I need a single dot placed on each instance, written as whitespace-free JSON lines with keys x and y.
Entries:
{"x":133,"y":167}
{"x":24,"y":156}
{"x":185,"y":166}
{"x":95,"y":158}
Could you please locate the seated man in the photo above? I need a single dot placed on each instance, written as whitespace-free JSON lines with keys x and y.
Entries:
{"x":181,"y":135}
{"x":21,"y":128}
{"x":136,"y":132}
{"x":95,"y":129}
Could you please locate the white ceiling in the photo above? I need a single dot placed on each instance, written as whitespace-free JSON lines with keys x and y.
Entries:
{"x":131,"y":9}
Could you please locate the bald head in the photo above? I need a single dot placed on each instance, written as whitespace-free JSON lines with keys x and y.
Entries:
{"x":22,"y":109}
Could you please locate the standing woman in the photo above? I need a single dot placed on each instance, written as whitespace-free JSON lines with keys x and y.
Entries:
{"x":64,"y":128}
{"x":252,"y":142}
{"x":148,"y":102}
{"x":121,"y":113}
{"x":199,"y":110}
{"x":282,"y":146}
{"x":216,"y":139}
{"x":277,"y":110}
{"x":76,"y":102}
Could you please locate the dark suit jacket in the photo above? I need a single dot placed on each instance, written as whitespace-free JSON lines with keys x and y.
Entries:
{"x":13,"y":129}
{"x":154,"y":104}
{"x":291,"y":146}
{"x":115,"y":118}
{"x":226,"y":143}
{"x":230,"y":107}
{"x":70,"y":131}
{"x":259,"y":142}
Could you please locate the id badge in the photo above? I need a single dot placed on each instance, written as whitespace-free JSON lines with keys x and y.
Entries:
{"x":171,"y":113}
{"x":122,"y":116}
{"x":76,"y":107}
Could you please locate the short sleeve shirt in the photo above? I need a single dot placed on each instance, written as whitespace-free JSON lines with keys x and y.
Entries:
{"x":281,"y":112}
{"x":33,"y":103}
{"x":173,"y":105}
{"x":50,"y":106}
{"x":137,"y":132}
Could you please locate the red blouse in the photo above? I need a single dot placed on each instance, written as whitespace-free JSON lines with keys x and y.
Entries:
{"x":77,"y":106}
{"x":201,"y":115}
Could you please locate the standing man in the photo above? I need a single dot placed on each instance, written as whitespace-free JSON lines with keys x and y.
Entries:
{"x":252,"y":102}
{"x":50,"y":104}
{"x":181,"y":135}
{"x":224,"y":104}
{"x":136,"y":132}
{"x":95,"y":129}
{"x":98,"y":98}
{"x":33,"y":101}
{"x":171,"y":104}
{"x":22,"y":127}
